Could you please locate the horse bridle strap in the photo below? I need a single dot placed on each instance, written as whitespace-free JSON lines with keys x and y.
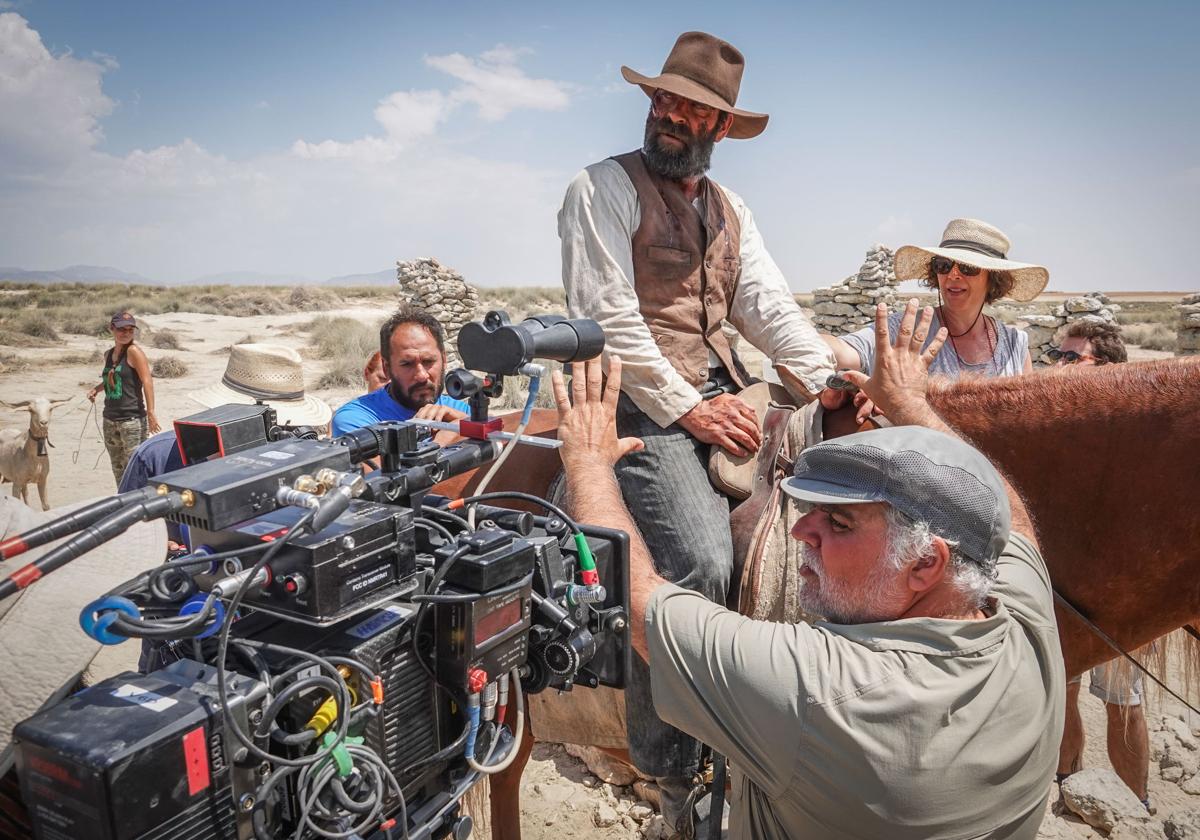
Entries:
{"x":1108,"y":640}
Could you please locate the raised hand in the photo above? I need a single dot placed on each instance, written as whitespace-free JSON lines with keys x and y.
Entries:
{"x":900,"y":377}
{"x":588,"y":428}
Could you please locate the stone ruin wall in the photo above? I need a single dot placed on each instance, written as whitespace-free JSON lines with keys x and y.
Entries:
{"x":443,"y":293}
{"x":1047,"y":331}
{"x":1187,"y":336}
{"x":850,"y":305}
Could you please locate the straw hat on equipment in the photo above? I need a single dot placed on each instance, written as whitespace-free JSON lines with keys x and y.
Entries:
{"x":268,"y":373}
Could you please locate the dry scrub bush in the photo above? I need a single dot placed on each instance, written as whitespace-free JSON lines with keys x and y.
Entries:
{"x":1150,"y":336}
{"x":520,"y":303}
{"x":312,"y":299}
{"x":168,"y":367}
{"x":165,"y":340}
{"x":1147,"y":312}
{"x":346,"y":344}
{"x":36,"y":325}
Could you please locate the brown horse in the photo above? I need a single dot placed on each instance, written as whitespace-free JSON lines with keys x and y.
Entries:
{"x":1108,"y":461}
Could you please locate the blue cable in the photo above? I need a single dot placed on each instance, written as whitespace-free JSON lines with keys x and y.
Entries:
{"x":534,"y":383}
{"x":473,"y":716}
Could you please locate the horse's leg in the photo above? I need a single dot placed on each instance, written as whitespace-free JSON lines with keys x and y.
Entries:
{"x":506,"y":791}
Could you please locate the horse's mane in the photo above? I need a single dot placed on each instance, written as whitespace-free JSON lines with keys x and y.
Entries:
{"x":1133,"y":388}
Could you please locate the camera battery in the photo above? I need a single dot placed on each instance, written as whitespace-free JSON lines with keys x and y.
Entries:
{"x":139,"y":756}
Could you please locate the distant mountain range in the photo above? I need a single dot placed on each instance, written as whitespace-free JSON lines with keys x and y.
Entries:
{"x":108,"y":274}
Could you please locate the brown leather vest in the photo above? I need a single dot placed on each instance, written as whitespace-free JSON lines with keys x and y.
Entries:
{"x":685,"y":269}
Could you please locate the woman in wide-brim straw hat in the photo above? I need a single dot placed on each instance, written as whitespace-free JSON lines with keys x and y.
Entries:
{"x":969,"y":269}
{"x":272,"y":374}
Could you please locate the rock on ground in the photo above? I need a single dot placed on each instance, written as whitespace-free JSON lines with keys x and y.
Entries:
{"x":1101,"y":799}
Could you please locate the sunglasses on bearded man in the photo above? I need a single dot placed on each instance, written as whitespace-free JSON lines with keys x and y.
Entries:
{"x":943,"y":265}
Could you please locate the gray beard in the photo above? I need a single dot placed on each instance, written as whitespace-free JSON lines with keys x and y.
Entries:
{"x":834,"y":601}
{"x":692,"y":161}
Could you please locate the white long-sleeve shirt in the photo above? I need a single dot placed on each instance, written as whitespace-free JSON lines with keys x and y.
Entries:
{"x":596,"y":224}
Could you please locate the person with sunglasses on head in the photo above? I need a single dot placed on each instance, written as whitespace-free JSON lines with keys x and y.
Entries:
{"x":1093,"y":344}
{"x":1090,"y":343}
{"x":128,"y":388}
{"x":969,"y":269}
{"x":660,"y":255}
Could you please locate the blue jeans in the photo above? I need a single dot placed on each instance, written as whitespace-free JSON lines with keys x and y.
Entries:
{"x":685,"y":523}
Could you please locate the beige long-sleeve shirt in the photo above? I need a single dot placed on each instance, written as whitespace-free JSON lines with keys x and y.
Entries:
{"x":596,"y":224}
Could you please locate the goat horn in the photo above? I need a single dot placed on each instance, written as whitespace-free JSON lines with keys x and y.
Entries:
{"x":21,"y":404}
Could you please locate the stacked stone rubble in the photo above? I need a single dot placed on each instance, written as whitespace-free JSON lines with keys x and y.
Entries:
{"x":1046,"y":332}
{"x":1187,"y":342}
{"x":443,"y":293}
{"x":850,"y":305}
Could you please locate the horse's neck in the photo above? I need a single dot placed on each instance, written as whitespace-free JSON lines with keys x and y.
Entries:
{"x":1106,"y":461}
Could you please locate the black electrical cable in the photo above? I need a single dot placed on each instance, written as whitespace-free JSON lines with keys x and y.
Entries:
{"x":88,"y":539}
{"x":343,"y":699}
{"x":434,"y":583}
{"x":525,"y":497}
{"x":460,"y":521}
{"x":177,"y":565}
{"x":177,"y":627}
{"x":436,"y":527}
{"x":69,"y":523}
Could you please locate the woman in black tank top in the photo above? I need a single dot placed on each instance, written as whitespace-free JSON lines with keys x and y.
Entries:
{"x":128,"y":388}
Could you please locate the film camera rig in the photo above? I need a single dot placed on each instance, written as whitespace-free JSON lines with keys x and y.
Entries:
{"x":338,"y":650}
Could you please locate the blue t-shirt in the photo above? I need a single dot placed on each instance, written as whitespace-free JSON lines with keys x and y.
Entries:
{"x":155,"y":456}
{"x":378,"y":406}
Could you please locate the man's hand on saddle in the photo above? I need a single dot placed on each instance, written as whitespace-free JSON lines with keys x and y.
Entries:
{"x":587,"y":419}
{"x":899,"y":380}
{"x":725,"y":421}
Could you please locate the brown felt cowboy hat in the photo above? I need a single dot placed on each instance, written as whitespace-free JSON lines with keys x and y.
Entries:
{"x":705,"y":69}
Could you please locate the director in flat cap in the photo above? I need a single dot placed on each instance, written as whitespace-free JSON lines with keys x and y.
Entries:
{"x":661,"y":255}
{"x":929,"y":702}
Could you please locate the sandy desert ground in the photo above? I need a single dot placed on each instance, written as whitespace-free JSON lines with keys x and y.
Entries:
{"x":561,"y":798}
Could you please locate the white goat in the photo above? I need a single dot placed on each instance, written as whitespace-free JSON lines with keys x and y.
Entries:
{"x":23,"y":456}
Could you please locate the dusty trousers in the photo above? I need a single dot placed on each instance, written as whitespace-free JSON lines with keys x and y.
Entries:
{"x":685,"y":523}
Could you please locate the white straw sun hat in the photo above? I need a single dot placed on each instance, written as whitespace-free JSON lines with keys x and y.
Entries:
{"x":273,"y":374}
{"x":979,"y":244}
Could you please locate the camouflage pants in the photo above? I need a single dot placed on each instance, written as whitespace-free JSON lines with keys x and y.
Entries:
{"x":121,"y":437}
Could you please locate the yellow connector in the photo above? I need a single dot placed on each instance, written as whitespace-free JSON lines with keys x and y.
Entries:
{"x":327,"y":712}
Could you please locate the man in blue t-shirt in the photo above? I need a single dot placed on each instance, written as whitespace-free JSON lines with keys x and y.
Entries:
{"x":414,"y":357}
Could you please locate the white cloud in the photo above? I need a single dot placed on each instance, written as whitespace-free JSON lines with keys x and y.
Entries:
{"x":52,"y":105}
{"x":495,"y":83}
{"x":177,"y":211}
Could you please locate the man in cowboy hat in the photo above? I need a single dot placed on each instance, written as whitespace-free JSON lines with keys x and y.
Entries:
{"x":660,"y":256}
{"x":929,"y":703}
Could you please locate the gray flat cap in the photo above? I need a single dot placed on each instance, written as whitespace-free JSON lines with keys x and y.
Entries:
{"x":926,"y":475}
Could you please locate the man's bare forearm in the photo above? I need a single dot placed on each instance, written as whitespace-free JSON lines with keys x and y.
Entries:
{"x":594,"y":497}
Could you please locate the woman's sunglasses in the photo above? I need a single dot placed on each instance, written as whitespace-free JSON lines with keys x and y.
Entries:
{"x":943,"y":265}
{"x":1070,"y":357}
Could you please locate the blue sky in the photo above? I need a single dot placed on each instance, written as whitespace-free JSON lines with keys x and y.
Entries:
{"x":177,"y":140}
